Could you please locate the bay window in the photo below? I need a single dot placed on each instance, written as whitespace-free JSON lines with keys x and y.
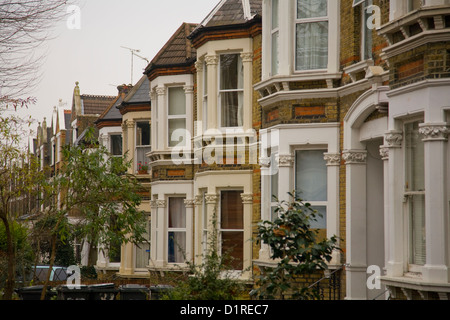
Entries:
{"x":176,"y":116}
{"x":176,"y":230}
{"x":232,"y":227}
{"x":311,"y":183}
{"x":142,"y":143}
{"x":311,"y":29}
{"x":275,"y":35}
{"x":231,"y":92}
{"x":415,"y":192}
{"x":116,"y":145}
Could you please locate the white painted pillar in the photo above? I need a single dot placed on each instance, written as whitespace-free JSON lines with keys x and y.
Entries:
{"x":394,"y":212}
{"x":384,"y":153}
{"x":247,"y":201}
{"x":211,"y":62}
{"x":264,"y":162}
{"x":161,"y":141}
{"x":247,"y":62}
{"x":285,"y":176}
{"x":189,"y":203}
{"x":333,"y":162}
{"x":436,"y":268}
{"x":356,"y":224}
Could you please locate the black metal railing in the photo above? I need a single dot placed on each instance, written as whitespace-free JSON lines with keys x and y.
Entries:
{"x":329,"y":286}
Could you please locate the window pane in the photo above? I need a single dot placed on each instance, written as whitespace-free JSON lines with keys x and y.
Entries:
{"x":232,"y":210}
{"x":274,"y":14}
{"x":320,"y":221}
{"x":311,"y":8}
{"x":417,"y":229}
{"x":367,"y":32}
{"x":177,"y":213}
{"x":177,"y":247}
{"x":414,"y":158}
{"x":231,"y":73}
{"x":275,"y":63}
{"x":177,"y":101}
{"x":116,"y":145}
{"x":143,"y":250}
{"x":179,"y":136}
{"x":141,"y":158}
{"x":143,"y":134}
{"x":311,"y":175}
{"x":312,"y":46}
{"x":232,"y":109}
{"x":233,"y":247}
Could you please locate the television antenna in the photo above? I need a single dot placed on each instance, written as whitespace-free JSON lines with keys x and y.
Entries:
{"x":134,"y":53}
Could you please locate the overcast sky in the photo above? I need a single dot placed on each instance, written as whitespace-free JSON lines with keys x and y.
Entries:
{"x":93,"y":55}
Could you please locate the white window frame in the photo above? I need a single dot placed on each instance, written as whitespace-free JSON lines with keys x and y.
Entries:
{"x":407,"y":195}
{"x":205,"y":96}
{"x":294,"y":32}
{"x":364,"y":5}
{"x":149,"y":233}
{"x":312,"y":202}
{"x":219,"y":91}
{"x":176,"y":230}
{"x":220,"y":229}
{"x":273,"y":31}
{"x":175,"y":117}
{"x":111,"y":144}
{"x":136,"y":146}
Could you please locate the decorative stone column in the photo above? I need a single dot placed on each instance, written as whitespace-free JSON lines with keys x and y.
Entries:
{"x":384,"y":153}
{"x":189,"y":204}
{"x":131,"y":144}
{"x":198,"y":202}
{"x":247,"y":201}
{"x":247,"y":62}
{"x":285,"y":174}
{"x":161,"y":233}
{"x":394,"y":220}
{"x":435,"y":137}
{"x":161,"y":140}
{"x":333,"y":161}
{"x":198,"y":130}
{"x":356,"y":223}
{"x":211,"y":63}
{"x":264,"y":163}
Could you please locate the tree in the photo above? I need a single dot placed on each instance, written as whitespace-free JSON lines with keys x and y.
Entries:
{"x":94,"y":188}
{"x":24,"y":26}
{"x":19,"y":181}
{"x":296,"y":249}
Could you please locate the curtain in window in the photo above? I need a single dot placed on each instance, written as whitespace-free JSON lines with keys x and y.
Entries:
{"x":177,"y":230}
{"x":312,"y":36}
{"x":312,"y":46}
{"x":231,"y":224}
{"x":143,"y":250}
{"x":177,"y":101}
{"x":311,"y":8}
{"x":231,"y":94}
{"x":415,"y":191}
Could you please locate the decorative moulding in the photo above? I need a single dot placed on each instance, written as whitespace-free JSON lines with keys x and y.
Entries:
{"x":354,"y":156}
{"x":434,"y":131}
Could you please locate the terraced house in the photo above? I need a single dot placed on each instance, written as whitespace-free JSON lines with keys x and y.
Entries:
{"x":345,"y":102}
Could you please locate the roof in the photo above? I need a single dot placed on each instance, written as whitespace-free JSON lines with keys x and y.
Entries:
{"x":178,"y":50}
{"x":140,"y":92}
{"x":92,"y":104}
{"x":228,"y":12}
{"x":112,"y":113}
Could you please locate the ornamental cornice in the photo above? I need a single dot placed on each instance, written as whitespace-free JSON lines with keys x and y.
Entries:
{"x":434,"y":131}
{"x":354,"y":156}
{"x":332,"y":159}
{"x":264,"y":162}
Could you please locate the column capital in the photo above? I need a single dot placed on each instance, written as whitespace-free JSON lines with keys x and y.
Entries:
{"x":384,"y":152}
{"x":434,"y":131}
{"x":199,"y":65}
{"x":393,"y":139}
{"x":212,"y":59}
{"x":332,"y":159}
{"x":198,"y":200}
{"x":247,"y":198}
{"x":188,"y":89}
{"x":285,"y":160}
{"x":247,"y":56}
{"x":160,"y":91}
{"x":354,"y":156}
{"x":211,"y":198}
{"x":189,"y":203}
{"x":264,"y":162}
{"x":130,"y":124}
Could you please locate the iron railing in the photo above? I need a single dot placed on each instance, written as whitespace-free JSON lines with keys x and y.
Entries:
{"x":329,"y":286}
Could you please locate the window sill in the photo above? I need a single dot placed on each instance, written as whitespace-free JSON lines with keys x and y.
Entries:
{"x":413,"y":281}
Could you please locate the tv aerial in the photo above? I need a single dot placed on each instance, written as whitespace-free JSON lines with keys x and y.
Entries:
{"x":134,"y":53}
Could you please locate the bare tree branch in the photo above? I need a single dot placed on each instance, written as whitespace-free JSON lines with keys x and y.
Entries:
{"x":24,"y":26}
